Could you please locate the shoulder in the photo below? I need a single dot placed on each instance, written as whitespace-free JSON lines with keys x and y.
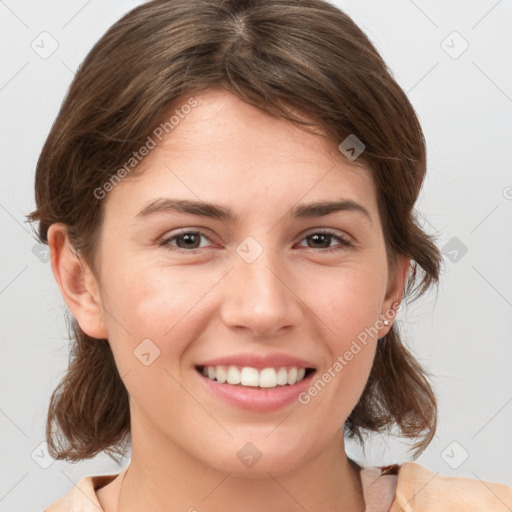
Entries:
{"x":420,"y":490}
{"x":82,"y":497}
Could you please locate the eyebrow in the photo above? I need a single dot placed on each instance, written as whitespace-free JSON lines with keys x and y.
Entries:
{"x":216,"y":211}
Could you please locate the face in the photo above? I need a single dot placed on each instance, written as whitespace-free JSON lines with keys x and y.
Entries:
{"x":275,"y":285}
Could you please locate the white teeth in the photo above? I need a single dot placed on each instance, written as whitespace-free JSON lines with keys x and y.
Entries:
{"x":282,"y":376}
{"x":292,"y":376}
{"x":252,"y":377}
{"x":268,"y":378}
{"x":248,"y":376}
{"x":233,"y":375}
{"x":220,"y":374}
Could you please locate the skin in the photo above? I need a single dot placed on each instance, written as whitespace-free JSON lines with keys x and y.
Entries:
{"x":295,"y":298}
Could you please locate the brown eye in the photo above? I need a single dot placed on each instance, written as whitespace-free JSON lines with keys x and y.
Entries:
{"x":321,"y":240}
{"x":189,"y":241}
{"x":186,"y":241}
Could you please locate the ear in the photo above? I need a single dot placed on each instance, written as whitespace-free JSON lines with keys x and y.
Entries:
{"x":395,"y":293}
{"x":77,"y":283}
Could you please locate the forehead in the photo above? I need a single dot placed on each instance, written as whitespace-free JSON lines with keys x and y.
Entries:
{"x":213,"y":146}
{"x":222,"y":121}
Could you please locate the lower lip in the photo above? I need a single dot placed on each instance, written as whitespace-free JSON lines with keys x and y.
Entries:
{"x":257,"y":399}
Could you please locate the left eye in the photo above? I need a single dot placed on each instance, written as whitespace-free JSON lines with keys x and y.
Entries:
{"x":322,"y":236}
{"x":187,"y":241}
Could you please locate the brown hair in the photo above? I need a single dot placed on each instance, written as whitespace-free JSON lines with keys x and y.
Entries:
{"x":272,"y":54}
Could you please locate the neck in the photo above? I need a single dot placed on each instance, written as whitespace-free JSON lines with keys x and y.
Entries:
{"x":169,"y":479}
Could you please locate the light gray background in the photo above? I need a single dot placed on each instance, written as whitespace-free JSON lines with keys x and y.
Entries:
{"x":464,"y":337}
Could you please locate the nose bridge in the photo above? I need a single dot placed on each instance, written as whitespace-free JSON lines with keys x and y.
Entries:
{"x":258,"y":295}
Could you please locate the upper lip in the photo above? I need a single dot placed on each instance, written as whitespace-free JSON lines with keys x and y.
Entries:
{"x":259,"y":361}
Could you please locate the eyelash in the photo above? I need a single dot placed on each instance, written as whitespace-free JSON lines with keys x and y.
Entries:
{"x":344,"y":242}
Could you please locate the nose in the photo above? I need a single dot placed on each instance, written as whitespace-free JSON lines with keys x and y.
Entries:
{"x":261,"y":296}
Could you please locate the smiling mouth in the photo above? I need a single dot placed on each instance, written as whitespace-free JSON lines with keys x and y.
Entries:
{"x":247,"y":376}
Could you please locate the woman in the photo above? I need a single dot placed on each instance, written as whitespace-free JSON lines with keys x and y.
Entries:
{"x":227,"y":194}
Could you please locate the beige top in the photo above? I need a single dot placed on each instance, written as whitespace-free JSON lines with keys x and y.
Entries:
{"x":408,"y":487}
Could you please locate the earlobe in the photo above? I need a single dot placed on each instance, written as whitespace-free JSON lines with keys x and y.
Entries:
{"x":395,"y":293}
{"x":76,"y":282}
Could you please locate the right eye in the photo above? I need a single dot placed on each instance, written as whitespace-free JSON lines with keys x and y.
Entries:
{"x":186,"y":241}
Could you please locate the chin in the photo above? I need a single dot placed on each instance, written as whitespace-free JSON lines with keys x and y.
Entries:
{"x":258,"y":455}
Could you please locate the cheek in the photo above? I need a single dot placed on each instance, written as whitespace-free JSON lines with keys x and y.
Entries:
{"x":348,"y":310}
{"x":337,"y":387}
{"x":146,"y":320}
{"x":348,"y":302}
{"x":154,"y":303}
